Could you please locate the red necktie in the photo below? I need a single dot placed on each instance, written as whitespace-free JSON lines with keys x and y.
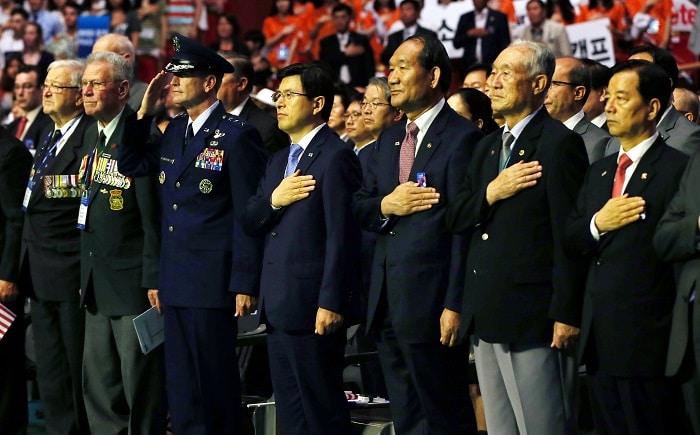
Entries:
{"x":20,"y":127}
{"x":408,"y":152}
{"x":622,"y":166}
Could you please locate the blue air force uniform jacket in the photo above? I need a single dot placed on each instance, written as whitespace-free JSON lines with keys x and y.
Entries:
{"x":205,"y":255}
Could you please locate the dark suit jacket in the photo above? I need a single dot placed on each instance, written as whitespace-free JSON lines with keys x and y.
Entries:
{"x":312,"y":248}
{"x":491,"y":45}
{"x":273,"y":139}
{"x":679,"y":133}
{"x":418,"y":262}
{"x":119,"y":246}
{"x":203,"y":244}
{"x":595,"y":139}
{"x":361,"y":67}
{"x":676,"y":240}
{"x":519,"y":278}
{"x":396,"y":38}
{"x":15,"y":163}
{"x":50,"y":238}
{"x":629,"y":290}
{"x":36,"y":134}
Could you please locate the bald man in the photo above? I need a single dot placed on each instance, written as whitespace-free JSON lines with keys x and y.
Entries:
{"x":122,"y":45}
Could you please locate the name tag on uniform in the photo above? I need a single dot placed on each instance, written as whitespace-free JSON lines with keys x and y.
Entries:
{"x":27,"y":195}
{"x":211,"y":159}
{"x":83,"y":210}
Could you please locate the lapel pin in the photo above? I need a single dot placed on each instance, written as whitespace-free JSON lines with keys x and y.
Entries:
{"x":493,"y":152}
{"x":206,"y":130}
{"x":430,"y":145}
{"x":218,"y":133}
{"x":311,"y":154}
{"x":603,"y":174}
{"x":521,"y":153}
{"x":397,"y":143}
{"x":644,"y":176}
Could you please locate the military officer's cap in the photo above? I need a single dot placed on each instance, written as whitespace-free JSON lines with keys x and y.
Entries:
{"x":192,"y":58}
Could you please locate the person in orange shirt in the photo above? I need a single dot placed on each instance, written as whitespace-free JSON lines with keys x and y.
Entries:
{"x":282,"y":34}
{"x":505,"y":6}
{"x":651,"y":21}
{"x":615,"y":11}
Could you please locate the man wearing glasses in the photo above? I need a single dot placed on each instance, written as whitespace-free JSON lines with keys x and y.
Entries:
{"x":571,"y":84}
{"x":51,"y":251}
{"x":311,"y":260}
{"x":122,"y":387}
{"x":208,"y":164}
{"x":33,"y":126}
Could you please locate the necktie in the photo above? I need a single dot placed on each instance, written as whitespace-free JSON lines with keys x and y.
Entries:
{"x":20,"y":127}
{"x":507,"y":141}
{"x":622,"y":166}
{"x":49,"y":154}
{"x":408,"y":152}
{"x":293,"y":159}
{"x":188,"y":137}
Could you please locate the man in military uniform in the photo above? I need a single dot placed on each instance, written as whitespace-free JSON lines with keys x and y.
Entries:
{"x":51,"y":251}
{"x":122,"y":387}
{"x":208,"y":163}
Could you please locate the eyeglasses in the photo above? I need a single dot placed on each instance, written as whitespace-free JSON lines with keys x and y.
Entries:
{"x":558,"y":83}
{"x":26,"y":87}
{"x":98,"y":86}
{"x":287,"y":95}
{"x":375,"y":104}
{"x":353,"y":115}
{"x":56,"y":89}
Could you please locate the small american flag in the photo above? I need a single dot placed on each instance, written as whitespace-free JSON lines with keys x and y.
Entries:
{"x":6,"y":319}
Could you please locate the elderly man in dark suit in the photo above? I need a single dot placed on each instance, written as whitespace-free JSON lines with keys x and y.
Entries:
{"x":15,"y":163}
{"x":629,"y":291}
{"x":34,"y":125}
{"x":409,"y":12}
{"x":483,"y":33}
{"x":119,"y":263}
{"x":571,"y":84}
{"x":522,"y":293}
{"x":417,"y":279}
{"x":311,"y":262}
{"x":676,"y":240}
{"x":208,"y":163}
{"x":347,"y":52}
{"x":234,"y":94}
{"x":51,"y":251}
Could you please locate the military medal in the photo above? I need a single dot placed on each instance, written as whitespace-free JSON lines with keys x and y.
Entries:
{"x":116,"y":200}
{"x":161,"y":177}
{"x":205,"y":186}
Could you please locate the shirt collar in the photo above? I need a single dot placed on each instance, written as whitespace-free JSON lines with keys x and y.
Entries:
{"x":308,"y":137}
{"x":574,"y":120}
{"x":426,"y":118}
{"x":668,"y":109}
{"x":111,"y":126}
{"x":520,"y":126}
{"x":238,"y":109}
{"x":636,"y":153}
{"x":201,"y":119}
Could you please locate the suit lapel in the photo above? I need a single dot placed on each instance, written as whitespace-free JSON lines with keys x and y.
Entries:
{"x":395,"y":137}
{"x":645,"y":171}
{"x":526,"y":144}
{"x":430,"y":143}
{"x":668,"y":123}
{"x":195,"y":146}
{"x":313,"y":150}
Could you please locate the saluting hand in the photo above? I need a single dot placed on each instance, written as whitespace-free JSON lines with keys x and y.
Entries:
{"x":619,"y":212}
{"x":512,"y":180}
{"x":154,"y":98}
{"x":292,"y":189}
{"x":407,"y":198}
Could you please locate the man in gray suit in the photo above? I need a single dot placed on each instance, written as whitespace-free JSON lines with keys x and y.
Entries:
{"x":676,"y":240}
{"x":565,"y":99}
{"x":674,"y":128}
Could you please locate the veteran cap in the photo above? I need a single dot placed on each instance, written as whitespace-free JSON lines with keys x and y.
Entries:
{"x":192,"y":58}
